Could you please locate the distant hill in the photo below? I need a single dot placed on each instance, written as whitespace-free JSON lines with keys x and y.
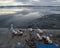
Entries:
{"x":46,"y":22}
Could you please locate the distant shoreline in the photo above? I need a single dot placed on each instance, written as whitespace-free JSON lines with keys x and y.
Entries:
{"x":27,"y":6}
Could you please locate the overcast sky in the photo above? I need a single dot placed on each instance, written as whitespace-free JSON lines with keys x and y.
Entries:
{"x":30,"y":2}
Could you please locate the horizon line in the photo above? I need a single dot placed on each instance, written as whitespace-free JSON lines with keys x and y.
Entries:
{"x":23,"y":5}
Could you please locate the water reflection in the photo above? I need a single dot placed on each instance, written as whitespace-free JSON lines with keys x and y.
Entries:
{"x":26,"y":10}
{"x":25,"y":14}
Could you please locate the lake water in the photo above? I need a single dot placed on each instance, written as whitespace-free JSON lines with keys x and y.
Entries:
{"x":21,"y":15}
{"x":28,"y":13}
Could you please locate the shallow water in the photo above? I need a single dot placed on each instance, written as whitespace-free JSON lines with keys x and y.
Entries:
{"x":5,"y":36}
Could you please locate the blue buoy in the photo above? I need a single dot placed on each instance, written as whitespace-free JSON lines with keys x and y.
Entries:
{"x":46,"y":46}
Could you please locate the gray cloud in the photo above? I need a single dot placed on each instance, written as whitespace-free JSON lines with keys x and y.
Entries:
{"x":21,"y":0}
{"x":48,"y":0}
{"x":41,"y":2}
{"x":31,"y":2}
